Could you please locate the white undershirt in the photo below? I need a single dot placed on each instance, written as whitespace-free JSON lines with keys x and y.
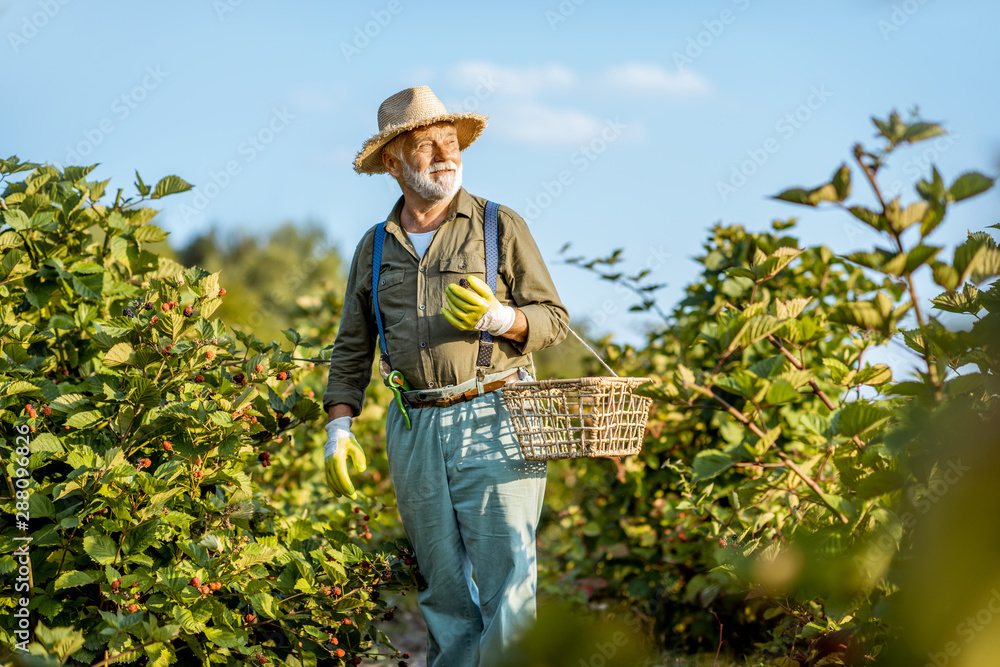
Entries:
{"x":421,"y":241}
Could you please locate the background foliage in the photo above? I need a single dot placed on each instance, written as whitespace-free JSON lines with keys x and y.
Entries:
{"x":779,"y":509}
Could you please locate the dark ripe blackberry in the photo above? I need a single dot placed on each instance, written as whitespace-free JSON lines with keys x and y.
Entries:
{"x":264,"y":458}
{"x":465,"y":283}
{"x":238,"y":378}
{"x":148,"y":306}
{"x":283,"y":422}
{"x":128,"y":312}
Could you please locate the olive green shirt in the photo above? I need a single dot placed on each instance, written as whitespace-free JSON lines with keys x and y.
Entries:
{"x":429,"y":351}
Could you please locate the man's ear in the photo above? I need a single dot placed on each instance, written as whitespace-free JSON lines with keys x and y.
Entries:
{"x":391,"y":164}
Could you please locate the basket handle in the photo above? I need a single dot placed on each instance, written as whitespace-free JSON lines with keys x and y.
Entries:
{"x":610,"y":370}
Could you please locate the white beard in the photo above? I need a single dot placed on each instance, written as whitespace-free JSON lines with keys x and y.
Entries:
{"x":430,"y":189}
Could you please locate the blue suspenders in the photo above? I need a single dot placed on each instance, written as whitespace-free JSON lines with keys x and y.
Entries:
{"x":491,"y":236}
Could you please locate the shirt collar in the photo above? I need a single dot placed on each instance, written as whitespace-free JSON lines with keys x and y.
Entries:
{"x":461,"y":205}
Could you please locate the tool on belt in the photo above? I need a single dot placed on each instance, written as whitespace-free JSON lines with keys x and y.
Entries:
{"x":394,"y":379}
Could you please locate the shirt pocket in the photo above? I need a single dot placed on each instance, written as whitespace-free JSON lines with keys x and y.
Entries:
{"x":394,"y":297}
{"x":456,"y":267}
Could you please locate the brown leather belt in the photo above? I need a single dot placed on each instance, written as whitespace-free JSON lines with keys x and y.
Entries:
{"x":467,"y":396}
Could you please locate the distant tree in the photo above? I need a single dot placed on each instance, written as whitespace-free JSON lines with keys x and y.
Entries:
{"x":265,"y":276}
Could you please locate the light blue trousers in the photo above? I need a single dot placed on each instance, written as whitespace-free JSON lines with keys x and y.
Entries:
{"x":469,"y":505}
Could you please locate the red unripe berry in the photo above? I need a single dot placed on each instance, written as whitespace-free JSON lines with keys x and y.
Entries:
{"x":167,"y":445}
{"x":222,"y":291}
{"x":188,"y":311}
{"x":282,"y":375}
{"x":165,"y":306}
{"x":346,"y":621}
{"x":116,"y":584}
{"x":215,"y":585}
{"x":250,"y":618}
{"x":340,"y":652}
{"x":261,"y":658}
{"x":196,"y":581}
{"x":199,"y":378}
{"x":210,"y":354}
{"x":336,"y":590}
{"x":368,"y":536}
{"x":133,"y":608}
{"x":46,"y":411}
{"x":258,"y":368}
{"x":205,"y":590}
{"x":366,"y":518}
{"x":154,"y":319}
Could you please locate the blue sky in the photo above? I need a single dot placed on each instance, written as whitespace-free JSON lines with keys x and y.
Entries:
{"x":611,"y":124}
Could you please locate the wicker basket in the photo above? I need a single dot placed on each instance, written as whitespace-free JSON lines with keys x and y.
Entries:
{"x":585,"y":417}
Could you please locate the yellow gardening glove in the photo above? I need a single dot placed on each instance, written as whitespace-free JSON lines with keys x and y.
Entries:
{"x":476,"y":308}
{"x":340,"y":444}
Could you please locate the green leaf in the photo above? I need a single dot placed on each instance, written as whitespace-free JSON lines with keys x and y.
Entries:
{"x":842,"y":182}
{"x":781,"y":391}
{"x":796,"y":196}
{"x":709,"y":463}
{"x":17,"y":219}
{"x":874,"y":375}
{"x":149,"y":234}
{"x":101,"y":548}
{"x":921,"y":132}
{"x":74,"y":578}
{"x":969,"y":185}
{"x":874,"y":220}
{"x":84,"y":419}
{"x":860,"y":416}
{"x":839,"y":371}
{"x":169,"y":185}
{"x":118,"y":355}
{"x":222,"y":637}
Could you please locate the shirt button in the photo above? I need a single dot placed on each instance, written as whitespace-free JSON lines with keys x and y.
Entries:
{"x":462,"y":266}
{"x":423,"y":345}
{"x":383,"y":282}
{"x":430,"y":384}
{"x":423,"y":269}
{"x":422,"y":306}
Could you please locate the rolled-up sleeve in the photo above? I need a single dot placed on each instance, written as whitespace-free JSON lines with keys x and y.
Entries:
{"x":354,"y":346}
{"x":532,"y":289}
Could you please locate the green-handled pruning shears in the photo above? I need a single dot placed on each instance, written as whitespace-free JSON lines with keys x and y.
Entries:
{"x":398,"y":384}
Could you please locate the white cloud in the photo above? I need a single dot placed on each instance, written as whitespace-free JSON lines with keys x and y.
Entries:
{"x":509,"y":81}
{"x":651,"y":78}
{"x":534,"y":123}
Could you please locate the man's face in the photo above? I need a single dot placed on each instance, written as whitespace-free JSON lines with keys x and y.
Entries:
{"x":431,"y":145}
{"x":431,"y":162}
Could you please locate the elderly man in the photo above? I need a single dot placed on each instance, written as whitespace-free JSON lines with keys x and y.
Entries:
{"x":424,"y":279}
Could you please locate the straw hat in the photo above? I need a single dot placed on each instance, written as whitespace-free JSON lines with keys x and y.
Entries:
{"x":407,"y":110}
